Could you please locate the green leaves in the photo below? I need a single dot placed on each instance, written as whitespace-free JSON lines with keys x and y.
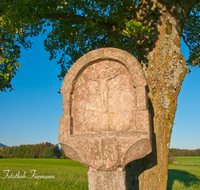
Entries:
{"x":78,"y":27}
{"x":27,"y":1}
{"x":9,"y":52}
{"x":191,"y":36}
{"x":17,"y":22}
{"x":134,"y":28}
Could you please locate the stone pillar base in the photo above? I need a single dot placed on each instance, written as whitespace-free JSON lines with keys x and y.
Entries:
{"x":106,"y":180}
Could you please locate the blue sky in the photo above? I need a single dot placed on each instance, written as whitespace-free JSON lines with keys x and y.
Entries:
{"x":30,"y":114}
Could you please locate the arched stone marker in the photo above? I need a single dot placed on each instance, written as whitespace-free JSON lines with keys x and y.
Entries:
{"x":106,"y":121}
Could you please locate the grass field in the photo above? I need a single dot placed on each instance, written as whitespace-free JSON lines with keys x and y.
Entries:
{"x":69,"y":175}
{"x":188,"y":160}
{"x":185,"y":176}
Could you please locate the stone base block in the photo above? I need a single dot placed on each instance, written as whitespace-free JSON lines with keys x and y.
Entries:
{"x":106,"y":180}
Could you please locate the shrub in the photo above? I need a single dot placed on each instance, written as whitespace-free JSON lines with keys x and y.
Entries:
{"x":170,"y":162}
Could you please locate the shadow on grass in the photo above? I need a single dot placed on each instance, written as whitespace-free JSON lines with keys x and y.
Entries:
{"x":186,"y":178}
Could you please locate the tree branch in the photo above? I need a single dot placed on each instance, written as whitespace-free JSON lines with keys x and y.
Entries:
{"x":78,"y":19}
{"x":186,"y":42}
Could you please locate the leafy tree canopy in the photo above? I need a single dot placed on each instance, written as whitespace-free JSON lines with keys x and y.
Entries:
{"x":83,"y":25}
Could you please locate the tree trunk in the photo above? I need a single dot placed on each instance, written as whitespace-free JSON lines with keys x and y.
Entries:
{"x":165,"y":69}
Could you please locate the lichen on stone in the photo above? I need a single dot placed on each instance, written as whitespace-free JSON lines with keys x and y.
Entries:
{"x":177,"y":40}
{"x":168,"y":28}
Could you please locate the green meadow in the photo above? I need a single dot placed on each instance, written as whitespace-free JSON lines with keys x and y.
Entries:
{"x":25,"y":174}
{"x":42,"y":174}
{"x":188,"y":160}
{"x":185,"y":175}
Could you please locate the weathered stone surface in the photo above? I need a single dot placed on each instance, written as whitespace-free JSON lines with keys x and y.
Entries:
{"x":103,"y":99}
{"x":105,"y":124}
{"x":106,"y":180}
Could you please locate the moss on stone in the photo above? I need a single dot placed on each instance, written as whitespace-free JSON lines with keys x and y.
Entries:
{"x":168,"y":28}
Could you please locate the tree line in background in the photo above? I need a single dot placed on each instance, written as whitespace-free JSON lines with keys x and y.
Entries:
{"x":42,"y":150}
{"x":183,"y":152}
{"x":48,"y":150}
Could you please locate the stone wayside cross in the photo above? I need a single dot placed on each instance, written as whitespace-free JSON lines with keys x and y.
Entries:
{"x":105,"y":124}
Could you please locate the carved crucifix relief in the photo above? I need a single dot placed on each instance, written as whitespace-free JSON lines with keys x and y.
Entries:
{"x":104,"y":99}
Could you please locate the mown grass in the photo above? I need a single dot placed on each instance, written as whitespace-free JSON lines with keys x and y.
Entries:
{"x":67,"y":174}
{"x":184,"y":176}
{"x":188,"y":160}
{"x":70,"y":175}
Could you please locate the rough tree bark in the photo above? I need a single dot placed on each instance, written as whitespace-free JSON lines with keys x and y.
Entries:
{"x":165,"y":69}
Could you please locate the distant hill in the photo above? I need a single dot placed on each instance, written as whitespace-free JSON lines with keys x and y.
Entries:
{"x":2,"y":145}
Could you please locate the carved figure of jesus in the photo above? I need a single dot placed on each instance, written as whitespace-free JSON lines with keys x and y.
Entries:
{"x":104,"y":99}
